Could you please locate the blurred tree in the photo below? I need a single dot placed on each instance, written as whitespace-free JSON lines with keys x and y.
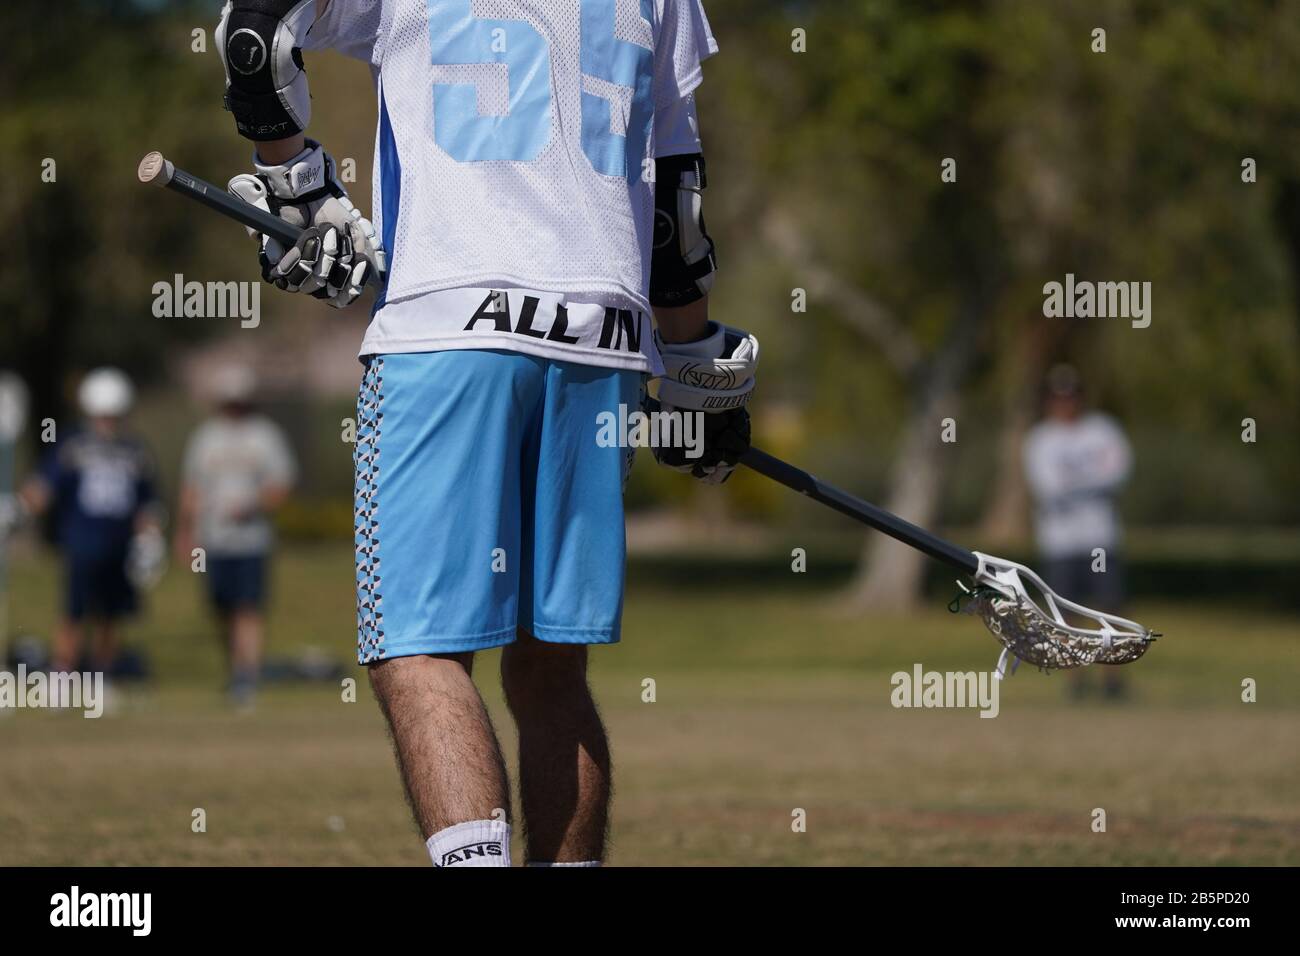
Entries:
{"x":865,"y":208}
{"x":925,"y":296}
{"x":1122,"y":166}
{"x":1131,"y":165}
{"x":88,"y":242}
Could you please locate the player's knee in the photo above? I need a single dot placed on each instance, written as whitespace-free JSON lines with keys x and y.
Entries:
{"x":391,"y":678}
{"x":536,"y":674}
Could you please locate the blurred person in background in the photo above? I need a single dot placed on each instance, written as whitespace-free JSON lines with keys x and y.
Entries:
{"x":1076,"y":462}
{"x":238,"y":468}
{"x":99,"y":483}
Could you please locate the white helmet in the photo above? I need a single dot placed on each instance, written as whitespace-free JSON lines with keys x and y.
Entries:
{"x":106,"y":392}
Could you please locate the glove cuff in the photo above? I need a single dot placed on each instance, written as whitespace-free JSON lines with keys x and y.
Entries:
{"x":715,"y":374}
{"x":309,"y":173}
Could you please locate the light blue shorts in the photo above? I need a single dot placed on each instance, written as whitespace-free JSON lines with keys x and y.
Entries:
{"x":484,"y":502}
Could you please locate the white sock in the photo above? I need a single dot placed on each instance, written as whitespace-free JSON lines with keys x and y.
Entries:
{"x":477,"y":843}
{"x":585,"y":863}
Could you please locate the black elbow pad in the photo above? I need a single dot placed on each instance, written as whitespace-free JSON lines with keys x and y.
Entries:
{"x":684,"y":261}
{"x":260,"y":44}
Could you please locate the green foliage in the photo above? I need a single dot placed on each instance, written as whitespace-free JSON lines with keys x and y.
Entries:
{"x":1124,"y":165}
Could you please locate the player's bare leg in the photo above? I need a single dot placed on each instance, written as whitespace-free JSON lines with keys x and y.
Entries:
{"x":244,"y":636}
{"x":103,"y":648}
{"x":446,"y":749}
{"x":246,"y":640}
{"x":66,"y":645}
{"x":564,"y":765}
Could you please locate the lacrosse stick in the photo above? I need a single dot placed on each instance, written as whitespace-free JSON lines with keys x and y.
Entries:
{"x":1001,"y":596}
{"x":1031,"y":629}
{"x":155,"y":169}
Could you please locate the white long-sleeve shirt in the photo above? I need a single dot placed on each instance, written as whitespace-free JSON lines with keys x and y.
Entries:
{"x":1075,"y":470}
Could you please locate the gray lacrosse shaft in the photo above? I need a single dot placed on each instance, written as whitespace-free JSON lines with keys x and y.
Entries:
{"x":158,"y":170}
{"x":863,"y":511}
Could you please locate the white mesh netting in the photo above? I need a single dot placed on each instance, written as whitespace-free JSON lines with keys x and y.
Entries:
{"x":1043,"y":635}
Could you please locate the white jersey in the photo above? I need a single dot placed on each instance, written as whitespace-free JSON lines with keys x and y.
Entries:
{"x":1075,"y":470}
{"x":230,"y":462}
{"x":515,"y":153}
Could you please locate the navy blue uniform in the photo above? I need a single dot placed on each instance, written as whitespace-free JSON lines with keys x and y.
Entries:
{"x":99,"y":486}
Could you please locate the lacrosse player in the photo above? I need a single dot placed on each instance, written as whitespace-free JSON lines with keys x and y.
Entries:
{"x":238,"y":468}
{"x":1076,"y":462}
{"x":538,"y":194}
{"x":99,"y":483}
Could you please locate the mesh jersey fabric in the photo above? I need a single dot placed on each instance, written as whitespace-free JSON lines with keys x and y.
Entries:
{"x":515,"y":137}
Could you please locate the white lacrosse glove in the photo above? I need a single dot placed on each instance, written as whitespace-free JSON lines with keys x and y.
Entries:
{"x":146,"y":558}
{"x":715,"y":376}
{"x":339,"y":247}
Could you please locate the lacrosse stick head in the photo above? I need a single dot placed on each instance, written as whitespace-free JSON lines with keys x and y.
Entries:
{"x":1035,"y":629}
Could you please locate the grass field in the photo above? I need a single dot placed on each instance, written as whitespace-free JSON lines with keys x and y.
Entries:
{"x":773,"y":702}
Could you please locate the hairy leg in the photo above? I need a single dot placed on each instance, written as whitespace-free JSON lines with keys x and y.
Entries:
{"x":446,"y":749}
{"x":564,"y":766}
